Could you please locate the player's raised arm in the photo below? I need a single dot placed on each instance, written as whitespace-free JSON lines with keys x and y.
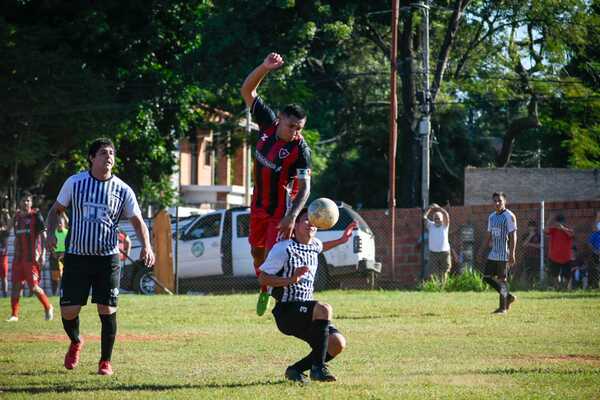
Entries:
{"x":342,"y":239}
{"x":248,"y":91}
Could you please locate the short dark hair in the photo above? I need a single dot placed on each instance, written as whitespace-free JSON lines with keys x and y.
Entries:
{"x":301,"y":213}
{"x":294,"y":110}
{"x":25,"y":194}
{"x":97,"y":145}
{"x":499,"y":194}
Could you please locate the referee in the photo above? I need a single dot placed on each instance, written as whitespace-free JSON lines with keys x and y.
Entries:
{"x":290,"y":271}
{"x":96,"y":200}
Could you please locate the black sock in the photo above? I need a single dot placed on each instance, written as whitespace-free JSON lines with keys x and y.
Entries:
{"x":306,"y":362}
{"x":72,"y":329}
{"x":492,"y":282}
{"x":320,"y":337}
{"x":109,"y":332}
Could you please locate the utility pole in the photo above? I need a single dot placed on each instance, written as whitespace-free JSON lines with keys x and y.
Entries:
{"x":393,"y":137}
{"x":425,"y":123}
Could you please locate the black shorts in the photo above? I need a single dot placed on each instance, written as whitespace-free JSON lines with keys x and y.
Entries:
{"x":295,"y":319}
{"x":100,"y":273}
{"x":555,"y":269}
{"x":496,"y":268}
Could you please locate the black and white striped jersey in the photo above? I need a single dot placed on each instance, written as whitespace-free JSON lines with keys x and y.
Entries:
{"x":284,"y":258}
{"x":95,"y":209}
{"x":500,"y":225}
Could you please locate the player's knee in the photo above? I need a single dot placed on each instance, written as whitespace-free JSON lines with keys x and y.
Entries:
{"x":104,"y":309}
{"x":37,"y":289}
{"x":336,"y":344}
{"x":323,"y":311}
{"x":69,"y":312}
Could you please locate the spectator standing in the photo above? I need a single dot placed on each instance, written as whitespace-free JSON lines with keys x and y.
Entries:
{"x":440,"y":259}
{"x":57,"y":255}
{"x":531,"y":254}
{"x":30,"y":233}
{"x":501,"y":241}
{"x":560,"y":251}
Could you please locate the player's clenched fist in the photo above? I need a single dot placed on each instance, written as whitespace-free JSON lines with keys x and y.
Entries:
{"x":273,"y":61}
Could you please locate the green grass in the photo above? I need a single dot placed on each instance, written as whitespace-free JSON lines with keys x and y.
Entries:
{"x":408,"y":345}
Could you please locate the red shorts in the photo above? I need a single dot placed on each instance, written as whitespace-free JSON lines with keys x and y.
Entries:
{"x":263,"y":229}
{"x":3,"y":266}
{"x":26,"y":271}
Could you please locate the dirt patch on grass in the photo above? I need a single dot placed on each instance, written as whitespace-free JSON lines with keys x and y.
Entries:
{"x":96,"y":338}
{"x":589,"y":359}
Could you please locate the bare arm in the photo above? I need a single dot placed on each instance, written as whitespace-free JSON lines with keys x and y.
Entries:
{"x":253,"y":80}
{"x":127,"y":245}
{"x":342,"y":239}
{"x":146,"y":254}
{"x":512,"y":246}
{"x":486,"y":244}
{"x":427,"y":212}
{"x":51,"y":224}
{"x":279,"y":281}
{"x":286,"y":225}
{"x":445,"y":216}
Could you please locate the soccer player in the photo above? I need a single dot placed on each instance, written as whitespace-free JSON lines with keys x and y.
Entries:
{"x":281,"y":170}
{"x":501,"y":239}
{"x":290,"y":271}
{"x":29,"y":258}
{"x":96,"y":200}
{"x":57,"y":256}
{"x":4,"y":233}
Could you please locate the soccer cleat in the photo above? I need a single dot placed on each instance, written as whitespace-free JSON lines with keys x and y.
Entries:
{"x":511,"y":299}
{"x":295,"y":376}
{"x":105,"y":368}
{"x":12,"y":318}
{"x":49,"y":314}
{"x":321,"y":374}
{"x":500,"y":311}
{"x":72,"y":356}
{"x":263,"y":303}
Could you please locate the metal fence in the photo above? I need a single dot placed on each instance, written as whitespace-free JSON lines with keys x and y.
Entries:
{"x":211,"y":253}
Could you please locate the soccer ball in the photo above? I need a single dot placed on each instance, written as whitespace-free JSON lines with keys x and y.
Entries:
{"x":323,"y":213}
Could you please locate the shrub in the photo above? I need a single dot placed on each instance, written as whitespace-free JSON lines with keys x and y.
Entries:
{"x":468,"y":281}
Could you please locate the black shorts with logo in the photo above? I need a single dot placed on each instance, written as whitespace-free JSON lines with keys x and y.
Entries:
{"x":559,"y":269}
{"x":496,"y":268}
{"x":100,"y":273}
{"x":295,"y":319}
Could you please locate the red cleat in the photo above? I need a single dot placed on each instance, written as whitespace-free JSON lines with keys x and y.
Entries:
{"x":72,"y":356}
{"x":104,"y":368}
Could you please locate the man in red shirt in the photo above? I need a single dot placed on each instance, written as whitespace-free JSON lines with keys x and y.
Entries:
{"x":560,"y":250}
{"x":282,"y":165}
{"x":29,"y":234}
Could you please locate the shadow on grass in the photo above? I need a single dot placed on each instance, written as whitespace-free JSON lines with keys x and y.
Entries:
{"x":136,"y":387}
{"x":515,"y":371}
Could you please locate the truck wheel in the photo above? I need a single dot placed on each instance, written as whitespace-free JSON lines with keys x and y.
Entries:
{"x":143,"y":283}
{"x":322,"y":276}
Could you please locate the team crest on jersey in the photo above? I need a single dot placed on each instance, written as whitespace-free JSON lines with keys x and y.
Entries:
{"x":283,"y":153}
{"x":264,"y":137}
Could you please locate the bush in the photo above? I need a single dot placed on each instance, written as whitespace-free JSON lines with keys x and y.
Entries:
{"x":468,"y":281}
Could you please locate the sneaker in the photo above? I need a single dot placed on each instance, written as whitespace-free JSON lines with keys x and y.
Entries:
{"x":105,"y":368}
{"x":500,"y":311}
{"x":12,"y":318}
{"x":511,"y":299}
{"x":49,"y":314}
{"x":296,"y":376}
{"x":321,"y":374}
{"x":72,"y":356}
{"x":264,"y":298}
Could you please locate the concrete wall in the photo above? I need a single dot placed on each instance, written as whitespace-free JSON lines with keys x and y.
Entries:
{"x":530,"y":185}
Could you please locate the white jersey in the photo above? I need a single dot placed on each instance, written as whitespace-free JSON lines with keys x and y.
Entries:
{"x":500,"y":225}
{"x":95,"y":209}
{"x":438,"y":237}
{"x":284,"y":258}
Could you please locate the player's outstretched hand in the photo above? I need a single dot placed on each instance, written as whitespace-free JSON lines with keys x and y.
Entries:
{"x":147,"y":256}
{"x":348,"y":232}
{"x":273,"y":61}
{"x":298,"y":272}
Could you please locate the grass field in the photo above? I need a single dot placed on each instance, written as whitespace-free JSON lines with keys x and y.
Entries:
{"x":400,"y":345}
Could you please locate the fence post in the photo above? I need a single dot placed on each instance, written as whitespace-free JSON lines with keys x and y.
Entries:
{"x":542,"y":228}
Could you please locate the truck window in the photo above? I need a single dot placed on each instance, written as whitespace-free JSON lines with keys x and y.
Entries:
{"x":243,"y":225}
{"x":208,"y":226}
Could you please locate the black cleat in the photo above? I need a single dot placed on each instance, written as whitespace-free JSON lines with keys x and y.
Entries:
{"x":321,"y":374}
{"x":500,"y":311}
{"x":294,"y":375}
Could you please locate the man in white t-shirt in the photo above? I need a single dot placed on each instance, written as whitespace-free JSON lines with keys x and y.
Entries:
{"x":440,"y":260}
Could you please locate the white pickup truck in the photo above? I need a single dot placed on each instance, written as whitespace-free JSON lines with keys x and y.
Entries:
{"x":213,"y":253}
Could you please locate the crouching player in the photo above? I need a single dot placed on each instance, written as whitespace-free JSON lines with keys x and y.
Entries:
{"x":290,"y":271}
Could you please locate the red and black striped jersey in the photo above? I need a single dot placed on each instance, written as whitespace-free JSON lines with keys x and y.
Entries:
{"x":277,"y":162}
{"x":28,"y":227}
